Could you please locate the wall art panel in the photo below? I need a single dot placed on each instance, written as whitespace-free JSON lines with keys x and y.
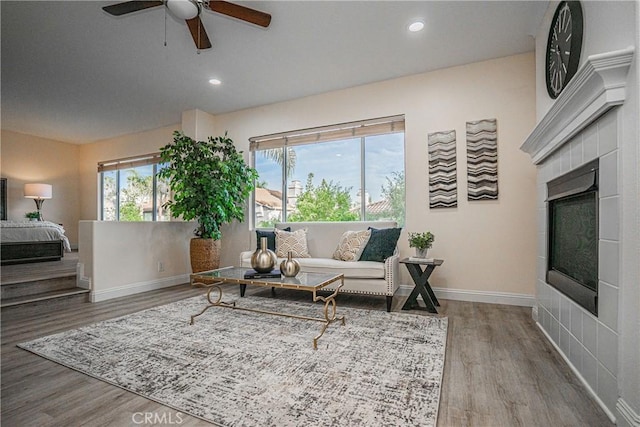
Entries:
{"x":482,"y":160}
{"x":443,"y":185}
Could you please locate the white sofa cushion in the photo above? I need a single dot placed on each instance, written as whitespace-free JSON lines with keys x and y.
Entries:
{"x":354,"y":270}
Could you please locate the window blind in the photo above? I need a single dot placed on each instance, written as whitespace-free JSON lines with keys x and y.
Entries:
{"x":129,"y":162}
{"x":358,"y":129}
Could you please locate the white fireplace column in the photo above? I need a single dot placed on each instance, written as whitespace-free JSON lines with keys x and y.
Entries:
{"x":586,"y":123}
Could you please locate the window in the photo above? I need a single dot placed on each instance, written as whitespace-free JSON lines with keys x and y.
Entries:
{"x":131,"y":191}
{"x":347,"y":172}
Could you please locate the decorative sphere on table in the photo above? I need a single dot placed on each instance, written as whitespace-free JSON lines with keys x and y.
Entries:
{"x":289,"y":267}
{"x":264,"y":258}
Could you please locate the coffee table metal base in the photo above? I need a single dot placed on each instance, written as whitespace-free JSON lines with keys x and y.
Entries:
{"x":329,"y":311}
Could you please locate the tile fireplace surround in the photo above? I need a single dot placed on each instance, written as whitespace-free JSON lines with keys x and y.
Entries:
{"x":585,"y":124}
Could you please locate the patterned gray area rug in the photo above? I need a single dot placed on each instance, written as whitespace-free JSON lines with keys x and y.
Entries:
{"x":238,"y":368}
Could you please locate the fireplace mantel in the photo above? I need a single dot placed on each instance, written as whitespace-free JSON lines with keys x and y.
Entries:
{"x":599,"y":85}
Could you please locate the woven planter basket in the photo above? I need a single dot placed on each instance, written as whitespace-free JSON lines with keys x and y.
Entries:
{"x":205,"y":254}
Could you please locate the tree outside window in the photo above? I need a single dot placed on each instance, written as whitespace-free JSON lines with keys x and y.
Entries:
{"x":134,"y":194}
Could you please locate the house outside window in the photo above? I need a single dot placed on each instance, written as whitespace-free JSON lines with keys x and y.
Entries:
{"x":347,"y":172}
{"x":131,"y":191}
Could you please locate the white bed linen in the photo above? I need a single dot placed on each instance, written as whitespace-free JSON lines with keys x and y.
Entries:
{"x":32,"y":231}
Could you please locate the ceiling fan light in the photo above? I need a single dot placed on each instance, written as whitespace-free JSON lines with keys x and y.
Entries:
{"x":416,"y":26}
{"x":183,"y":9}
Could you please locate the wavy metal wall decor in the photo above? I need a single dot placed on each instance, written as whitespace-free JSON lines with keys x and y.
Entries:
{"x":482,"y":160}
{"x":443,"y":185}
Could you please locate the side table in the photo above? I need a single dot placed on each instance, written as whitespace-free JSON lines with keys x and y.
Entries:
{"x":422,"y":287}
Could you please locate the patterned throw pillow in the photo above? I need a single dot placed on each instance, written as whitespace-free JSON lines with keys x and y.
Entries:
{"x":271,"y":237}
{"x":381,"y":244}
{"x":294,"y":242}
{"x":351,"y":245}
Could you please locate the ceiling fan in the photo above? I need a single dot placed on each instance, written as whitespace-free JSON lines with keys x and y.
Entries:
{"x":189,"y":10}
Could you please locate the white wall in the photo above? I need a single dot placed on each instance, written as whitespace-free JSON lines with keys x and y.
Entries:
{"x":27,"y":158}
{"x":488,"y":246}
{"x":123,"y":258}
{"x":110,"y":149}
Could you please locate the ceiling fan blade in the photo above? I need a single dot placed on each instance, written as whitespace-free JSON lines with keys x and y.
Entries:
{"x":198,"y":33}
{"x":130,"y":6}
{"x":240,"y":12}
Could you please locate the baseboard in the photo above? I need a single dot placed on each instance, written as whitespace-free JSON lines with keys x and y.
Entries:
{"x":490,"y":297}
{"x":628,"y":417}
{"x":584,"y":382}
{"x":81,"y":280}
{"x":136,"y":288}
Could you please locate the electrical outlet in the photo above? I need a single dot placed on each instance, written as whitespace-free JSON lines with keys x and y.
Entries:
{"x":160,"y":266}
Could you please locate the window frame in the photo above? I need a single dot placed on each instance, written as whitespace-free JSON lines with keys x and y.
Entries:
{"x":344,"y":131}
{"x":126,"y":163}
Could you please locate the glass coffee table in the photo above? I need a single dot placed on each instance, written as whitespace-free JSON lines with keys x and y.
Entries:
{"x":310,"y":282}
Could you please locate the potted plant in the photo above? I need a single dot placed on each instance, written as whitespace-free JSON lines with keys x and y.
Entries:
{"x":33,"y":216}
{"x":209,"y":182}
{"x":422,"y":242}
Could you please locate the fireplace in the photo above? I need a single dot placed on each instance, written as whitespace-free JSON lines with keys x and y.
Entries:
{"x":573,"y":235}
{"x":585,"y":123}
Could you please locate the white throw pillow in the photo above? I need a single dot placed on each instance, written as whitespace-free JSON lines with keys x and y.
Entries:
{"x":292,"y":241}
{"x":351,"y":245}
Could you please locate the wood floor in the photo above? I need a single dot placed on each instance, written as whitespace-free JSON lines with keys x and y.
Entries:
{"x":499,"y":370}
{"x":15,"y":273}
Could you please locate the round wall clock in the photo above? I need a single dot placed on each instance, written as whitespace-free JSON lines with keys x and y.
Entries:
{"x":563,"y":46}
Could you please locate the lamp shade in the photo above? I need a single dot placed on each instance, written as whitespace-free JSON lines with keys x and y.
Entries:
{"x":38,"y":191}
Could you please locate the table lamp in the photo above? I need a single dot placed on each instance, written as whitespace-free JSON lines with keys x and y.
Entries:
{"x":38,"y":192}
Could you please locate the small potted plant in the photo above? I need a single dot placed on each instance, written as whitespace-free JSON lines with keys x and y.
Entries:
{"x":33,"y":216}
{"x":422,"y":242}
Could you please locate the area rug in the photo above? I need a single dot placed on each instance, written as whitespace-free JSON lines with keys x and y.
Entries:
{"x":238,"y":368}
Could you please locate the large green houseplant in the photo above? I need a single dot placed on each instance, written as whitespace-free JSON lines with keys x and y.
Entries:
{"x":209,"y":182}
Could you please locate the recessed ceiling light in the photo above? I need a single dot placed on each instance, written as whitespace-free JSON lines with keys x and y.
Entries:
{"x":215,"y":82}
{"x":416,"y":26}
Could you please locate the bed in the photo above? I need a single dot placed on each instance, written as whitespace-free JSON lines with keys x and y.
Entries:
{"x":31,"y":241}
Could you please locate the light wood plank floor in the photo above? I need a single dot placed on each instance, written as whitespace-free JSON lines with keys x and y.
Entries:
{"x":499,"y":370}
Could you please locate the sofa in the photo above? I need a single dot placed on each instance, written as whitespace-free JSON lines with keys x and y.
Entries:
{"x":360,"y":277}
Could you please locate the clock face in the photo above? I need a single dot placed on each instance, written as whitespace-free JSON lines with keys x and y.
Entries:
{"x":563,"y":46}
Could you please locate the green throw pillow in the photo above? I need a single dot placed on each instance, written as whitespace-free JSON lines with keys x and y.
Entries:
{"x":271,"y":237}
{"x":381,"y":244}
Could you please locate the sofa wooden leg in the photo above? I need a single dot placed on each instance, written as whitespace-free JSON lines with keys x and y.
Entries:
{"x":389,"y":301}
